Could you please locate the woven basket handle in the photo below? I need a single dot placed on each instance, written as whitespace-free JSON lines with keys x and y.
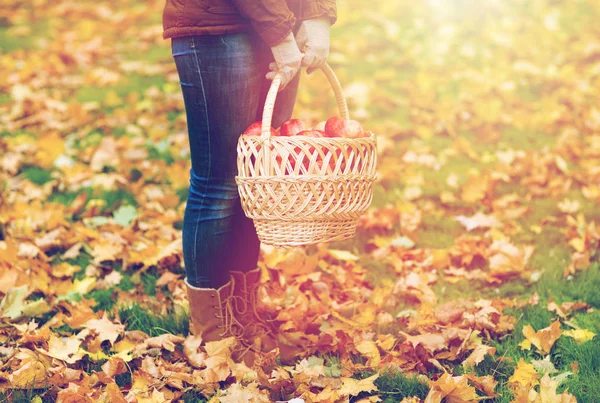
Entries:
{"x":272,"y":95}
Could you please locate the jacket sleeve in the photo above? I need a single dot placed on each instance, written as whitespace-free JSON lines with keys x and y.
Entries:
{"x":271,"y":19}
{"x":319,"y":8}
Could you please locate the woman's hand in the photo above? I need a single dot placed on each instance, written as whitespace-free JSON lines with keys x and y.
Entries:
{"x":313,"y":41}
{"x":288,"y":60}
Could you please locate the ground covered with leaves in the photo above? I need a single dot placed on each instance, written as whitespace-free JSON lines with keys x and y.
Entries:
{"x":473,"y":277}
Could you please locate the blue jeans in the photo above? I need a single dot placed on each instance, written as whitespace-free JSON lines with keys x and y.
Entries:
{"x":223,"y":82}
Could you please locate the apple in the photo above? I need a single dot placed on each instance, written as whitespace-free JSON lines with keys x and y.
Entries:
{"x":338,"y":127}
{"x":312,"y":133}
{"x":320,"y":126}
{"x":255,"y":128}
{"x":291,"y":127}
{"x":311,"y":150}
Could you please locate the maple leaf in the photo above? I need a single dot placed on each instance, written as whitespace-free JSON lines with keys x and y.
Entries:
{"x":105,"y":329}
{"x":486,"y":384}
{"x":33,"y":371}
{"x":165,"y":340}
{"x":478,"y":355}
{"x":352,"y":387}
{"x":250,"y":393}
{"x":476,"y":189}
{"x":114,"y":366}
{"x":431,"y":341}
{"x":190,"y":350}
{"x":64,"y":348}
{"x":75,"y":393}
{"x":112,"y":394}
{"x":547,"y":393}
{"x":11,"y":305}
{"x":154,"y":397}
{"x":507,"y":260}
{"x":580,"y":335}
{"x":454,"y":389}
{"x":369,"y":349}
{"x":545,"y":338}
{"x":544,"y":366}
{"x":525,"y":375}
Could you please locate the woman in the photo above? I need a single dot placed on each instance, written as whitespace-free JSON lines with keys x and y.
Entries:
{"x":226,"y":51}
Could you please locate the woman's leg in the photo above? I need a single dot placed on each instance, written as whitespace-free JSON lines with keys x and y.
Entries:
{"x":220,"y":79}
{"x":247,"y":243}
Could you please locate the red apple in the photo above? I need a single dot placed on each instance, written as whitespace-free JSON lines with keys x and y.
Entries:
{"x":311,"y":150}
{"x":338,"y":127}
{"x":255,"y":128}
{"x":291,"y":127}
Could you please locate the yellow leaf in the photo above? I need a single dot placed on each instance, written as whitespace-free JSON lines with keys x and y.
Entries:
{"x":524,"y":375}
{"x":64,"y":269}
{"x":536,"y":229}
{"x":578,"y":244}
{"x":250,"y":393}
{"x":352,"y":387}
{"x":32,"y":372}
{"x":474,"y":190}
{"x":83,"y":286}
{"x":561,"y":164}
{"x":105,"y":329}
{"x":525,"y":345}
{"x":124,"y":348}
{"x":11,"y":305}
{"x":97,"y":356}
{"x":369,"y":349}
{"x":580,"y":335}
{"x":453,"y":389}
{"x":545,"y":338}
{"x":112,"y":99}
{"x":154,"y":397}
{"x":36,"y":308}
{"x":548,"y":393}
{"x":49,"y":147}
{"x":64,"y":348}
{"x":478,"y":355}
{"x":343,"y":255}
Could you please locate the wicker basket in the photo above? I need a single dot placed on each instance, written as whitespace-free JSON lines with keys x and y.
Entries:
{"x":303,"y":190}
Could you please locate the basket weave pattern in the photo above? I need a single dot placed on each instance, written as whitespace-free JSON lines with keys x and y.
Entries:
{"x":301,"y":190}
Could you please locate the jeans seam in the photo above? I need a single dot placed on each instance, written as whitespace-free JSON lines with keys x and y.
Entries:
{"x":209,"y":154}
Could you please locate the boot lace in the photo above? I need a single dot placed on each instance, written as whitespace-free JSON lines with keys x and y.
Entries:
{"x":231,"y":325}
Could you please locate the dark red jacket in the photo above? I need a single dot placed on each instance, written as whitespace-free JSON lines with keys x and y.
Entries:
{"x":272,"y":19}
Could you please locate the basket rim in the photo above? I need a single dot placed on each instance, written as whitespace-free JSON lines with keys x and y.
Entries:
{"x":308,"y":178}
{"x":300,"y":139}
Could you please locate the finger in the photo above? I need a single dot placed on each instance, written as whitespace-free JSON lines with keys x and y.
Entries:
{"x":286,"y":77}
{"x":309,"y":59}
{"x":272,"y":66}
{"x":316,"y":64}
{"x":270,"y":75}
{"x":301,"y":38}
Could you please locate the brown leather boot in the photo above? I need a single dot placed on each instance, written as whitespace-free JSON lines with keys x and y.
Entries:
{"x":212,"y":317}
{"x":258,"y":330}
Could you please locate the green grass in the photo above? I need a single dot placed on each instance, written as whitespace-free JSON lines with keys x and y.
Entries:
{"x":37,"y":175}
{"x":10,"y":42}
{"x":136,"y":317}
{"x":583,"y":287}
{"x":192,"y":396}
{"x":131,"y":83}
{"x":394,"y":386}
